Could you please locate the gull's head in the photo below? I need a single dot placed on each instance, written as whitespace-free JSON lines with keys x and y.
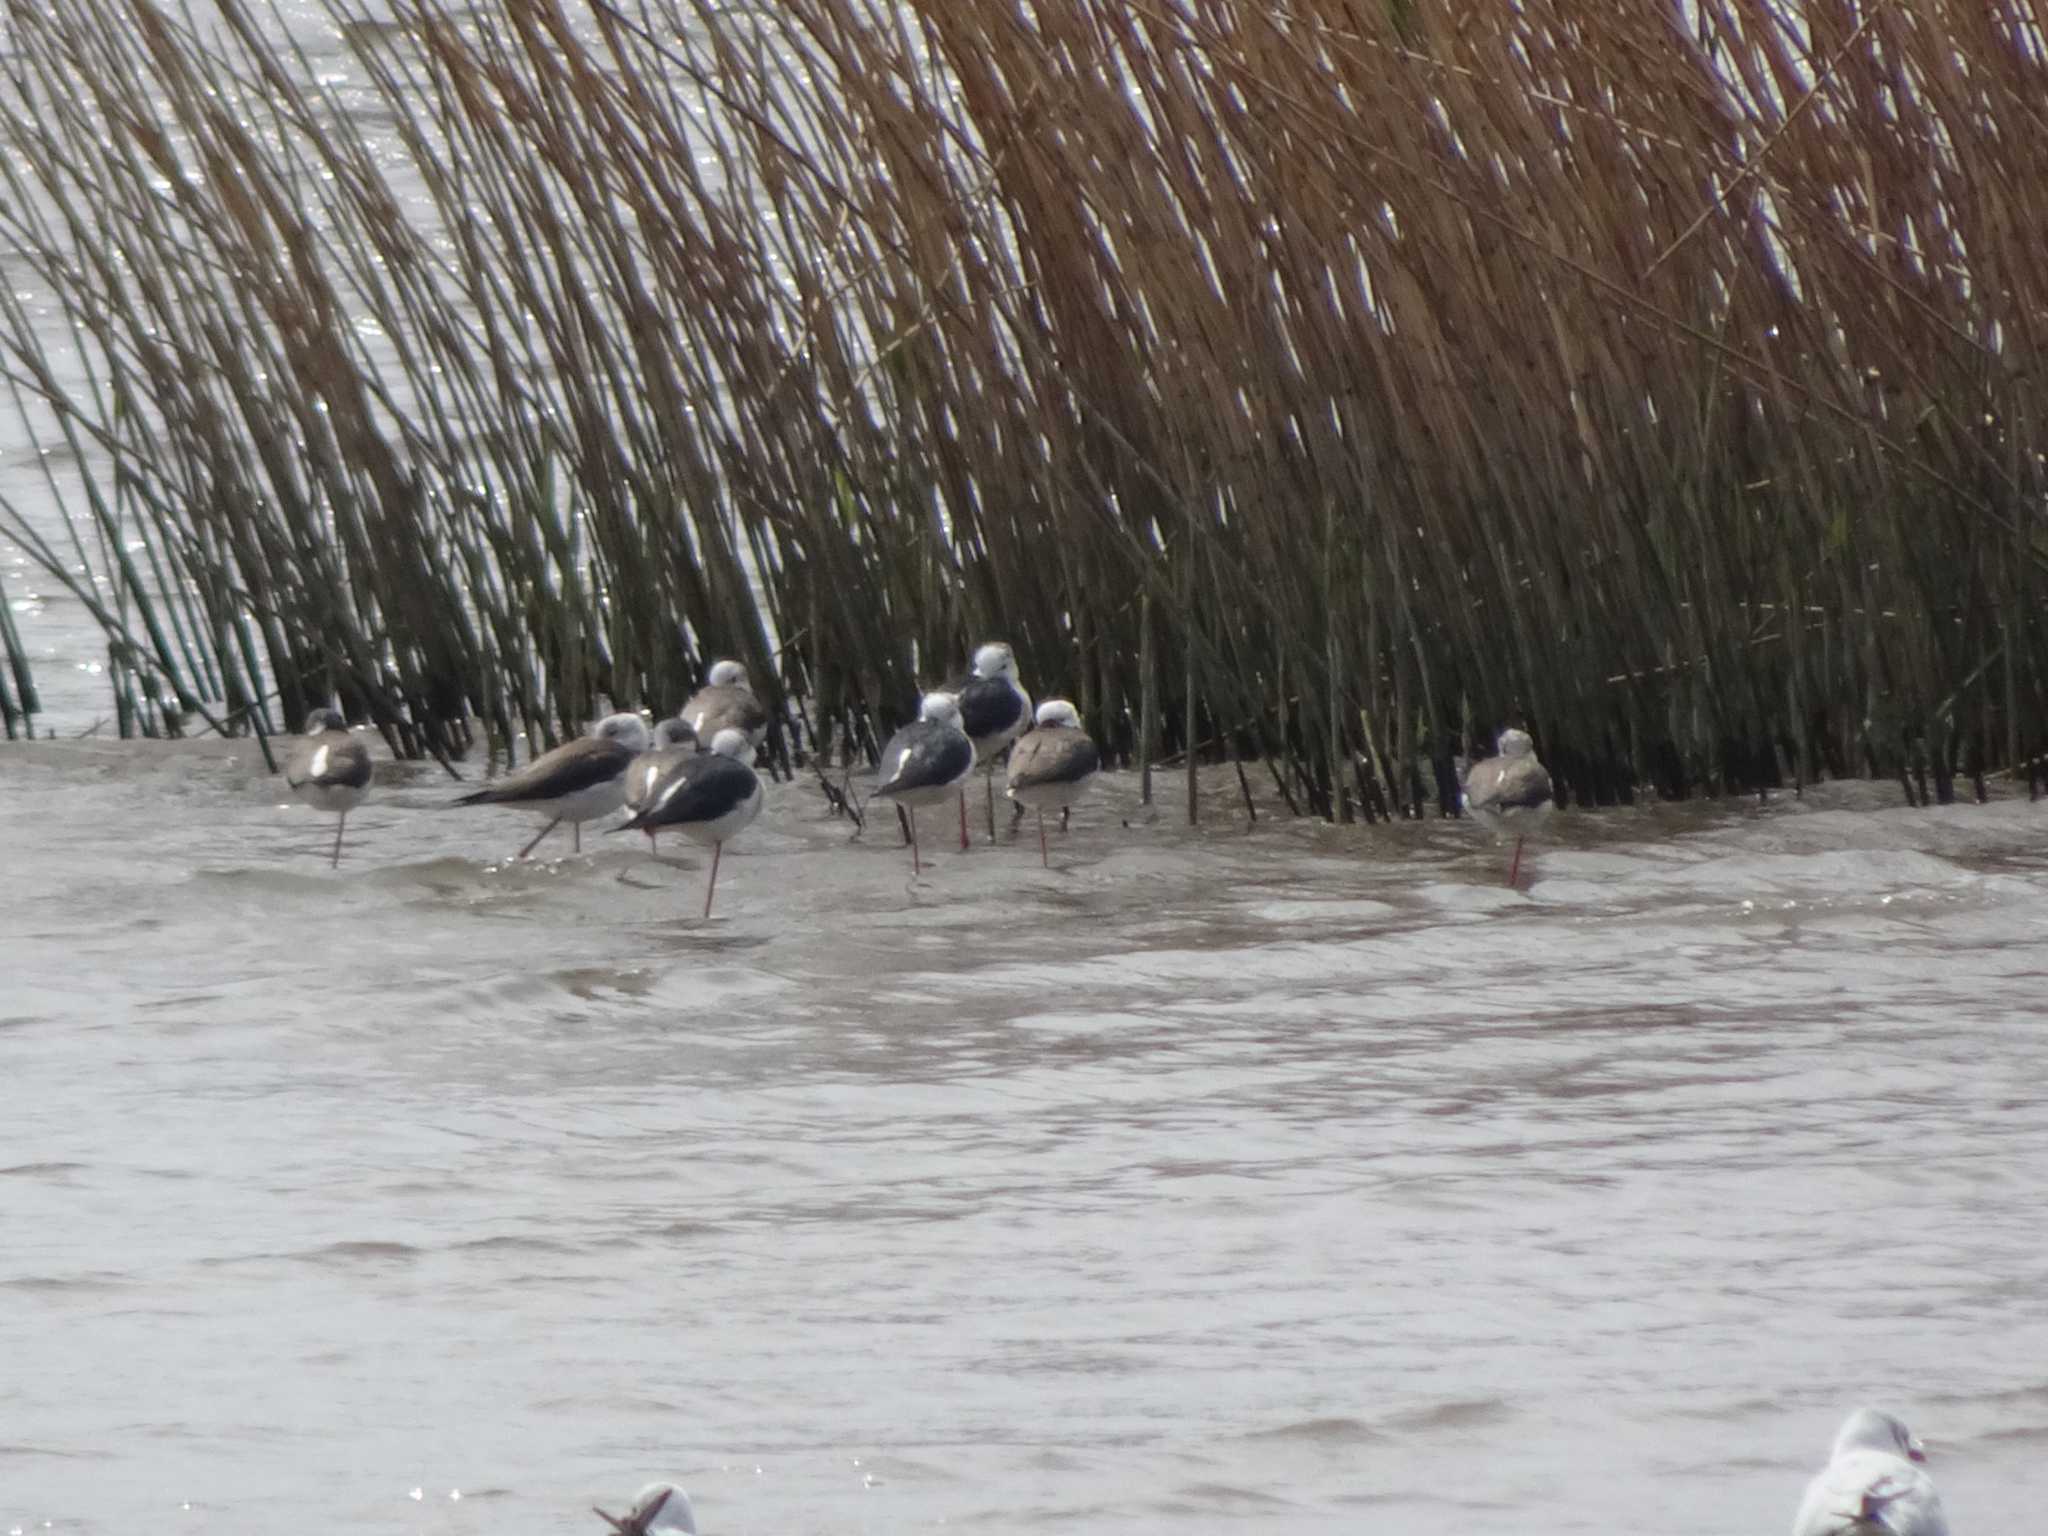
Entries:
{"x":733,"y":744}
{"x":727,"y":674}
{"x":995,"y":660}
{"x":1059,"y":712}
{"x":1867,"y":1429}
{"x":659,"y":1508}
{"x":627,"y":729}
{"x":1514,"y":743}
{"x":674,"y":732}
{"x":940,"y":709}
{"x":325,"y":720}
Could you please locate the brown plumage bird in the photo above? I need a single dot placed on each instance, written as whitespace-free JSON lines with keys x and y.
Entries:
{"x":1511,"y":791}
{"x":329,"y":770}
{"x":577,"y":781}
{"x":673,"y":742}
{"x":726,"y":702}
{"x":1052,"y":764}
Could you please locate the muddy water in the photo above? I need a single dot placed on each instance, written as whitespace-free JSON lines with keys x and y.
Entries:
{"x":1300,"y":1180}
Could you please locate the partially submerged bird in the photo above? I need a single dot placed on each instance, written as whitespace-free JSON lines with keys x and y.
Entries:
{"x":673,"y":741}
{"x":329,"y":770}
{"x":576,"y":782}
{"x":726,"y":702}
{"x":994,"y":711}
{"x":925,"y":763}
{"x":660,"y":1507}
{"x":1872,"y":1484}
{"x":1052,"y":764}
{"x":1509,"y":791}
{"x":707,"y":796}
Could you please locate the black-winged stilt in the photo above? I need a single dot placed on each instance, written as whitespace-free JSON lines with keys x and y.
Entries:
{"x":674,"y":740}
{"x":576,"y":782}
{"x":329,"y":770}
{"x":994,"y":711}
{"x":726,"y":702}
{"x":708,"y":797}
{"x":926,"y":762}
{"x":1051,"y":764}
{"x":1509,"y":792}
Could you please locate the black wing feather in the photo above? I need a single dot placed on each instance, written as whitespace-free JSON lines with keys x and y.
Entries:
{"x":701,"y":788}
{"x":931,"y":754}
{"x":989,"y":706}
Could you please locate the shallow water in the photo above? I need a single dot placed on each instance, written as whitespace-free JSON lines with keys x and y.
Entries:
{"x":1299,"y":1180}
{"x":1296,"y":1181}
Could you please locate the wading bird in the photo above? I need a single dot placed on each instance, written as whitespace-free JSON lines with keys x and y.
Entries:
{"x":1872,"y":1484}
{"x":1052,"y":764}
{"x":726,"y":702}
{"x":708,"y":797}
{"x":994,"y":711}
{"x":1509,"y":792}
{"x":926,"y":762}
{"x":576,"y":782}
{"x":661,"y":1509}
{"x":673,"y":741}
{"x":329,"y":770}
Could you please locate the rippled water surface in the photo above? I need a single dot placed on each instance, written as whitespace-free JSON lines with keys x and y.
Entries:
{"x":1293,"y":1180}
{"x":1303,"y":1180}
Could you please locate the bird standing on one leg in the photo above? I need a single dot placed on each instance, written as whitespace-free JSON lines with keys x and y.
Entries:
{"x":925,"y":763}
{"x":1512,"y":789}
{"x":709,"y":797}
{"x":726,"y":702}
{"x":577,"y":781}
{"x":329,"y":770}
{"x":674,"y":740}
{"x":1052,"y":765}
{"x":994,"y":711}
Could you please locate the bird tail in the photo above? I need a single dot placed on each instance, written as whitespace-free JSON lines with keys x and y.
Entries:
{"x":477,"y":797}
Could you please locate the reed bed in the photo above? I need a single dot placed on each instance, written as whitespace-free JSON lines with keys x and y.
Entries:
{"x":1322,"y":384}
{"x":18,"y":699}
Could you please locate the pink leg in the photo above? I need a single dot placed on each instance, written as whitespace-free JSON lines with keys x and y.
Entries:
{"x":335,"y":862}
{"x":712,"y":884}
{"x":963,"y":821}
{"x":1043,"y":857}
{"x":1515,"y":867}
{"x":989,"y":779}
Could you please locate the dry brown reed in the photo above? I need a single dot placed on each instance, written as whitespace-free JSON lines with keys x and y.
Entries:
{"x":1359,"y":378}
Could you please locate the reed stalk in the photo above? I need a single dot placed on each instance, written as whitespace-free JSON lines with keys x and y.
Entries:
{"x":1659,"y":383}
